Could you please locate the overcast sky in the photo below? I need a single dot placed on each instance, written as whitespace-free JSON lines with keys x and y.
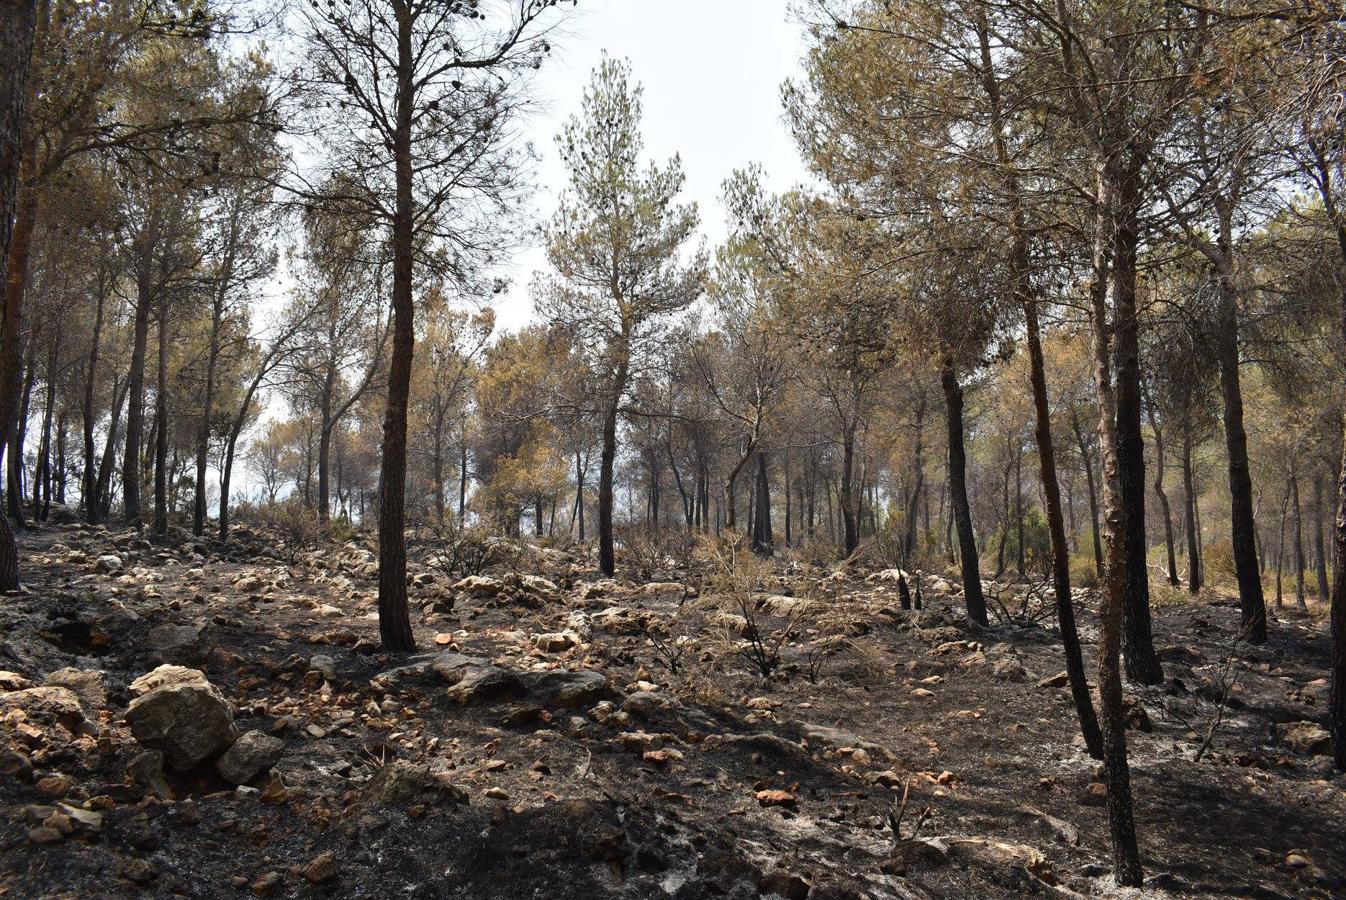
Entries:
{"x":712,"y":71}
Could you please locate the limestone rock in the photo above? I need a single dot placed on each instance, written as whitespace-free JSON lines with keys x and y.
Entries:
{"x":108,"y":564}
{"x":87,"y":684}
{"x":480,"y":587}
{"x":48,"y":706}
{"x":188,"y":719}
{"x":1305,"y":737}
{"x":171,"y":637}
{"x":252,"y":753}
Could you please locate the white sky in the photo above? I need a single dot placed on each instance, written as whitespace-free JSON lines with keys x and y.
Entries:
{"x":712,"y":71}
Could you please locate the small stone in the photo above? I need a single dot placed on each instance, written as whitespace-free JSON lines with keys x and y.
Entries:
{"x":108,"y":564}
{"x":497,"y":793}
{"x":922,"y":693}
{"x":1095,"y":794}
{"x":662,"y":757}
{"x":1059,"y":680}
{"x":321,"y":868}
{"x":55,"y":785}
{"x":268,"y":884}
{"x":148,"y":771}
{"x":775,"y":798}
{"x":45,"y":835}
{"x":1298,"y":859}
{"x":315,"y":731}
{"x":324,"y":665}
{"x":138,"y":870}
{"x":13,"y":681}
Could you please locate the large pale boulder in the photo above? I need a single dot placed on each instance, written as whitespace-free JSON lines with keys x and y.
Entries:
{"x":183,"y":716}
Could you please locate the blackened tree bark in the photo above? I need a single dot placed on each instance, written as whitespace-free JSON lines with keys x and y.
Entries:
{"x":1189,"y":509}
{"x":1242,"y":519}
{"x":16,"y":45}
{"x":218,"y":298}
{"x":918,"y":479}
{"x":1319,"y":552}
{"x":1142,"y":662}
{"x":762,"y":538}
{"x":607,"y":556}
{"x":394,"y":617}
{"x":850,"y":520}
{"x":1087,"y":460}
{"x":1116,"y":769}
{"x":1298,"y":539}
{"x":161,"y":430}
{"x":962,"y":510}
{"x":1160,"y":466}
{"x":140,"y":331}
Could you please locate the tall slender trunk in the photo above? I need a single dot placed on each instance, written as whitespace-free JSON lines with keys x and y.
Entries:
{"x":1189,"y":509}
{"x":88,"y":488}
{"x":462,"y":478}
{"x":1319,"y":552}
{"x":1160,"y":464}
{"x":16,"y":43}
{"x":1242,"y":520}
{"x":1051,"y":489}
{"x":607,"y":559}
{"x":161,"y":424}
{"x":325,"y":470}
{"x":850,"y":527}
{"x":1088,"y":460}
{"x":1280,"y":546}
{"x":918,"y":464}
{"x":1298,"y":539}
{"x":962,"y":510}
{"x":394,"y":617}
{"x":1117,"y":771}
{"x":135,"y":410}
{"x":103,"y":487}
{"x":1142,"y":662}
{"x":208,"y":402}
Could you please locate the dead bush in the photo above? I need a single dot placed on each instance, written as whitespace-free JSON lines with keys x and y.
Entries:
{"x":460,"y":551}
{"x":647,"y":551}
{"x":737,"y":579}
{"x":296,"y":524}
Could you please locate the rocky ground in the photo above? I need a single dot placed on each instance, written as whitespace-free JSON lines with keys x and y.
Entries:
{"x":563,"y":736}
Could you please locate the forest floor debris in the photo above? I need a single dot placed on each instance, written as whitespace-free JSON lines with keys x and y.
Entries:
{"x":576,"y":737}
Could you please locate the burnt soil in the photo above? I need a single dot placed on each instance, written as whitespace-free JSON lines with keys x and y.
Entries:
{"x":653,"y":783}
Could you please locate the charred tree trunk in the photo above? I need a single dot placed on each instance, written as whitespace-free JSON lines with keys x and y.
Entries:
{"x":1142,"y":663}
{"x":607,"y":558}
{"x":1298,"y":540}
{"x":394,"y":618}
{"x":1117,"y":771}
{"x":1319,"y":551}
{"x":1087,"y":459}
{"x":1160,"y":464}
{"x":135,"y":410}
{"x":17,"y":21}
{"x":161,"y":424}
{"x":1189,"y":510}
{"x":1051,"y":489}
{"x":1242,"y":521}
{"x":762,"y":539}
{"x":962,"y":510}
